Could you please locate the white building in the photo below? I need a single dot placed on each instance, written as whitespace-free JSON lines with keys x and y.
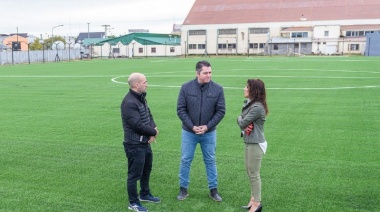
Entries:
{"x":282,"y":27}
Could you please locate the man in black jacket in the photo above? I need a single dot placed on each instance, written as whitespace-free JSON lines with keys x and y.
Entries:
{"x":139,"y":132}
{"x":201,"y":106}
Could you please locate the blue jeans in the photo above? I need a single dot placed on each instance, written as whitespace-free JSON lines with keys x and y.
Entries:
{"x":208,"y":147}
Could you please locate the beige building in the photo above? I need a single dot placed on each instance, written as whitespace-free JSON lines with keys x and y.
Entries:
{"x":18,"y":42}
{"x":279,"y":27}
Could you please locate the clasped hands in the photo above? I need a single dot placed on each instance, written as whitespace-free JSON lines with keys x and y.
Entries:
{"x":153,"y":138}
{"x":199,"y":130}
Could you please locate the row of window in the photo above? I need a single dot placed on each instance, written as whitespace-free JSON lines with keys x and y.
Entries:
{"x":225,"y":46}
{"x":230,"y":31}
{"x":300,"y":34}
{"x":359,"y":33}
{"x":353,"y":47}
{"x":141,"y":50}
{"x":293,"y":34}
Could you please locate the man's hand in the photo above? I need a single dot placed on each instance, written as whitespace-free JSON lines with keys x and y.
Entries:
{"x":152,"y":139}
{"x":156,"y":132}
{"x":199,"y":130}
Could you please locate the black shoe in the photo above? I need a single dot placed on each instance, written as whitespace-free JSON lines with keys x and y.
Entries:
{"x":246,"y":207}
{"x":258,"y":209}
{"x":215,"y":195}
{"x":182,"y":193}
{"x":149,"y":198}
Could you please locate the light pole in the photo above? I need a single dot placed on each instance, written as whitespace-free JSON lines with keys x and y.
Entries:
{"x":318,"y":45}
{"x":88,"y":30}
{"x":52,"y":29}
{"x":12,"y":53}
{"x":133,"y":49}
{"x":69,"y":47}
{"x":227,"y":48}
{"x":52,"y":34}
{"x":43,"y":52}
{"x":28,"y":51}
{"x":185,"y":48}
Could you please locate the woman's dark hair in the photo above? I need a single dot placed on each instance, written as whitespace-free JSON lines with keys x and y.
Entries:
{"x":257,"y":93}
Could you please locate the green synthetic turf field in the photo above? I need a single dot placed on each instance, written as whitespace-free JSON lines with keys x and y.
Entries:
{"x":61,"y":134}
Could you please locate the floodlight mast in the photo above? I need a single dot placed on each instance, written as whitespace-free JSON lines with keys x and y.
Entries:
{"x":52,"y":35}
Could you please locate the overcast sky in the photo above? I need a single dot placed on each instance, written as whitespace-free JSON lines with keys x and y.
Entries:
{"x":38,"y":17}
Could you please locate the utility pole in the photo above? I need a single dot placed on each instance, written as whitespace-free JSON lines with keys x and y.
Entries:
{"x":88,"y":30}
{"x":106,"y":26}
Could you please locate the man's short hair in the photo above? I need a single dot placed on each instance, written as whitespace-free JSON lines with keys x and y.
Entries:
{"x":134,"y":78}
{"x":201,"y":64}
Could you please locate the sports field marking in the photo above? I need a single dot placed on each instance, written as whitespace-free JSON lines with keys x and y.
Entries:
{"x":317,"y":70}
{"x":115,"y":80}
{"x":45,"y":76}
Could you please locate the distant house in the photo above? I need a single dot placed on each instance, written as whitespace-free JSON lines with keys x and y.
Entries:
{"x":138,"y":30}
{"x":25,"y":35}
{"x":3,"y":47}
{"x":15,"y":42}
{"x":176,"y":29}
{"x":137,"y":45}
{"x":85,"y":35}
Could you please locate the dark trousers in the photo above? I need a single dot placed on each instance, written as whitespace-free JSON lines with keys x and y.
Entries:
{"x":140,"y":160}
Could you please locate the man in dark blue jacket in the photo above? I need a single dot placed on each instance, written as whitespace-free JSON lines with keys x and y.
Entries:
{"x":201,"y":106}
{"x":139,"y":132}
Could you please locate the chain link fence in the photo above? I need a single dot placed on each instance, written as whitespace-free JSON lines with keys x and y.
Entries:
{"x":39,"y":56}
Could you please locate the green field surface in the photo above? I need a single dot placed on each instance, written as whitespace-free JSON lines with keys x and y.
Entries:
{"x":61,"y":134}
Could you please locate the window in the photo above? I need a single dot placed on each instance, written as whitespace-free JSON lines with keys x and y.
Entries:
{"x":222,"y":46}
{"x":357,"y":33}
{"x":115,"y":50}
{"x":227,"y":31}
{"x":197,"y":32}
{"x":232,"y":45}
{"x":258,"y":30}
{"x":201,"y":46}
{"x":153,"y":50}
{"x":299,"y":34}
{"x":172,"y":49}
{"x":296,"y":45}
{"x":141,"y":50}
{"x":354,"y":47}
{"x":192,"y":46}
{"x":275,"y":47}
{"x":326,"y":33}
{"x":256,"y":45}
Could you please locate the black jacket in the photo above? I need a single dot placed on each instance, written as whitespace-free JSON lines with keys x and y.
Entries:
{"x":200,"y":105}
{"x":138,"y":123}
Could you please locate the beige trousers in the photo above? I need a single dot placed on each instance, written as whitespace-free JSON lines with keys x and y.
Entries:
{"x":253,"y":157}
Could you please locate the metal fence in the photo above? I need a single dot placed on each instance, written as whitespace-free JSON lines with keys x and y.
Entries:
{"x":40,"y":56}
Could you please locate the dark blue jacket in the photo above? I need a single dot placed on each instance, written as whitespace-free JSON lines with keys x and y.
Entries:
{"x":200,"y":105}
{"x":138,"y":123}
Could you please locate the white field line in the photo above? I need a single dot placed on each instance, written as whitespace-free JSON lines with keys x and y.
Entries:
{"x":115,"y":80}
{"x":333,"y":88}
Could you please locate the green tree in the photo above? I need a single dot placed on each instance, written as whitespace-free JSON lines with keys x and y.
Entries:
{"x":36,"y":45}
{"x":49,"y":42}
